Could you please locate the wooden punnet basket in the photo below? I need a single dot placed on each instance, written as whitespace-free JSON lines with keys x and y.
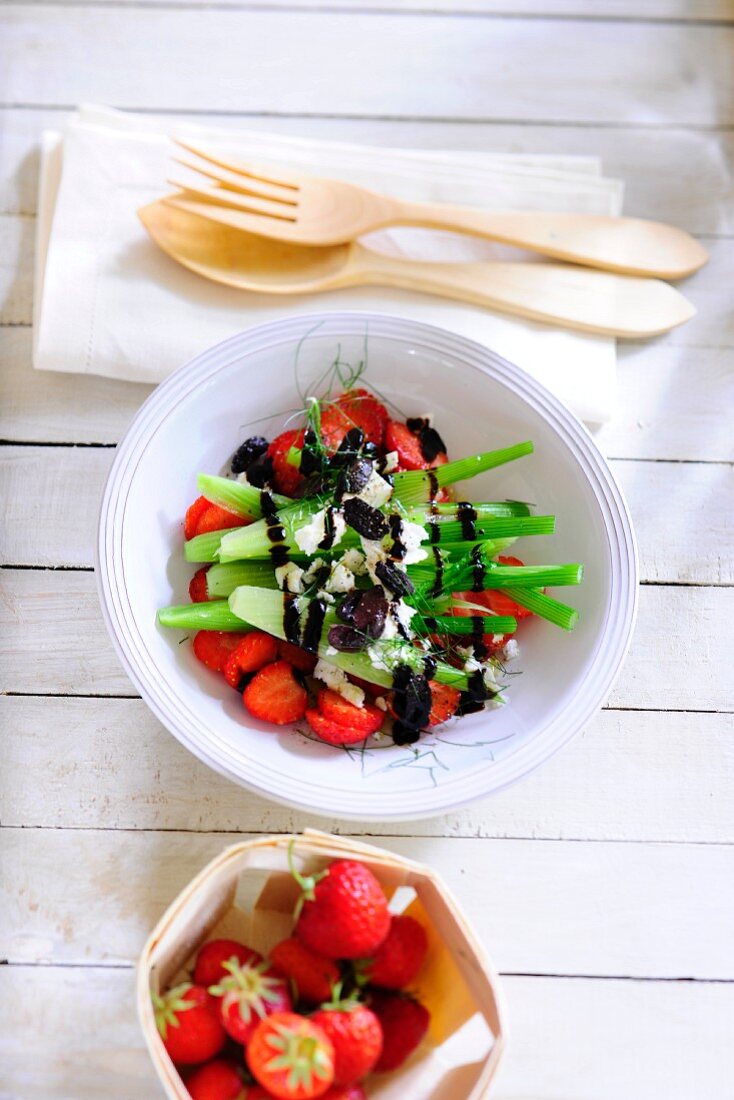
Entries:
{"x":247,"y":893}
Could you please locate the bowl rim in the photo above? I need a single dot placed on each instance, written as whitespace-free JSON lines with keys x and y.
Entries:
{"x":613,"y":639}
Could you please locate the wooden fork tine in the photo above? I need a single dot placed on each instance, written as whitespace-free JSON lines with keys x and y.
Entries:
{"x":227,"y":215}
{"x":249,"y":203}
{"x":291,"y":184}
{"x":244,"y":184}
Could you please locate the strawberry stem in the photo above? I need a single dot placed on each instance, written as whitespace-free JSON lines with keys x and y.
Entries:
{"x":307,"y":883}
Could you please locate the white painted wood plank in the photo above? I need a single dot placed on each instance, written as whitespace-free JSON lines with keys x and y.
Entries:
{"x":596,"y":72}
{"x":52,"y":639}
{"x":579,"y":1040}
{"x":687,"y":10}
{"x":681,"y":512}
{"x":608,"y":910}
{"x":110,"y":764}
{"x":16,"y":269}
{"x":669,"y":403}
{"x":676,"y":175}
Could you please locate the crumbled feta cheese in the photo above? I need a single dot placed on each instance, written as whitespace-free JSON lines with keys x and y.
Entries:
{"x":511,"y":649}
{"x":311,"y":573}
{"x":341,"y":579}
{"x":331,"y":651}
{"x":327,"y":597}
{"x":312,"y":534}
{"x":289,"y":577}
{"x":374,"y":553}
{"x":354,"y":560}
{"x":376,"y":492}
{"x":390,"y":462}
{"x":390,"y":629}
{"x":336,"y":679}
{"x":377,"y":655}
{"x":403,"y":613}
{"x":411,"y":536}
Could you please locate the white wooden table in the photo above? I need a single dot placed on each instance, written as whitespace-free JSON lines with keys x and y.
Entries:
{"x":603,"y":884}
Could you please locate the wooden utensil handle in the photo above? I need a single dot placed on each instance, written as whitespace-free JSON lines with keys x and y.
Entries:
{"x":624,"y":245}
{"x":590,"y":301}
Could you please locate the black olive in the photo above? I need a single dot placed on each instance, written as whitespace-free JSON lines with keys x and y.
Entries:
{"x":349,"y":447}
{"x":395,"y":579}
{"x":311,"y":460}
{"x":354,"y":478}
{"x":366,"y":520}
{"x":370,"y":612}
{"x":348,"y":606}
{"x":260,"y":472}
{"x":346,"y":639}
{"x":247,"y":452}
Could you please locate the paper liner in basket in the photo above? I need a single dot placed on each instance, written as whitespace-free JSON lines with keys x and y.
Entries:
{"x":247,"y":893}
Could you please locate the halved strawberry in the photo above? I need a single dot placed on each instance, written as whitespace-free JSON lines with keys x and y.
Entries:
{"x":193,"y":514}
{"x":444,"y":701}
{"x":312,"y":975}
{"x":332,"y":732}
{"x":287,"y":478}
{"x":399,"y":437}
{"x":365,"y":412}
{"x":253,"y":652}
{"x":334,"y":426}
{"x":364,"y":720}
{"x":213,"y":647}
{"x":275,"y":695}
{"x":215,"y":518}
{"x":298,"y":657}
{"x":497,"y":601}
{"x":212,"y":956}
{"x":198,"y":591}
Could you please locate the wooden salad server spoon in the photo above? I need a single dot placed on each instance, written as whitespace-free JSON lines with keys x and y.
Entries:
{"x":558,"y":294}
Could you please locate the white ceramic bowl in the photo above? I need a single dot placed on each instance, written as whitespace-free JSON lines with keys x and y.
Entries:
{"x":194,"y":421}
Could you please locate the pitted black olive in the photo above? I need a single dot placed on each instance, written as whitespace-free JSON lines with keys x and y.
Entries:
{"x":366,"y":520}
{"x":346,"y":639}
{"x":370,"y":612}
{"x":247,"y":452}
{"x":354,"y":477}
{"x":260,"y":473}
{"x":395,"y":579}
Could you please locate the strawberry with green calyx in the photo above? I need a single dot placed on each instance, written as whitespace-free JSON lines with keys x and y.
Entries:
{"x":291,"y":1057}
{"x":209,"y":968}
{"x":342,"y":912}
{"x":189,"y":1024}
{"x":404,"y":1023}
{"x":399,"y":957}
{"x":355,"y":1033}
{"x":312,"y":976}
{"x":249,"y":992}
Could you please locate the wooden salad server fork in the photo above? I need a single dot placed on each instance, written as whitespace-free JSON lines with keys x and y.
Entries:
{"x":306,"y":210}
{"x":588,"y":301}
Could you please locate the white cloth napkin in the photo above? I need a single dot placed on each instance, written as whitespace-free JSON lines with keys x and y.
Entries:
{"x":109,"y":302}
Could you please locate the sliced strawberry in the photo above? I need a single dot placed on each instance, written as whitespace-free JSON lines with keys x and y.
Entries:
{"x":312,"y":975}
{"x":444,"y":701}
{"x":215,"y":518}
{"x":198,"y":591}
{"x":299,"y":658}
{"x":399,"y":437}
{"x":275,"y":695}
{"x":213,"y":647}
{"x":332,"y":732}
{"x":193,"y":515}
{"x":364,"y":720}
{"x":334,"y":426}
{"x":365,"y":412}
{"x":254,"y":651}
{"x":287,"y":478}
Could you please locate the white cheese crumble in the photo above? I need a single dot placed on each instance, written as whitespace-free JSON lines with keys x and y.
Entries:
{"x":311,"y":573}
{"x":374,"y":553}
{"x":412,"y":535}
{"x":355,"y":560}
{"x":336,"y":679}
{"x":327,"y":597}
{"x":390,"y":462}
{"x":376,"y":492}
{"x":289,"y":577}
{"x":341,"y":579}
{"x":511,"y":649}
{"x":311,"y":534}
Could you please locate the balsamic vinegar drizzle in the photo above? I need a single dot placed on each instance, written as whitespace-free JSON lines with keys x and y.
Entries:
{"x":274,"y":529}
{"x":398,"y":550}
{"x":479,"y":569}
{"x":437,"y":588}
{"x":467,"y":516}
{"x":476,"y":696}
{"x":411,"y":703}
{"x":329,"y":529}
{"x":291,"y":619}
{"x":314,"y":623}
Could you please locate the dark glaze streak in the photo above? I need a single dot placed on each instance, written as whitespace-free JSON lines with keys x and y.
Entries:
{"x":438,"y":583}
{"x":429,"y":666}
{"x":412,"y":704}
{"x":479,"y":569}
{"x":314,"y":624}
{"x":477,"y":636}
{"x":467,"y":516}
{"x":476,"y":696}
{"x":329,"y":527}
{"x":291,"y":619}
{"x":433,"y":486}
{"x":398,"y":550}
{"x":274,"y":529}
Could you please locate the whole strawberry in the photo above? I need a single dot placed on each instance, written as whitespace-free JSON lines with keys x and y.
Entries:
{"x":188,"y":1023}
{"x":249,"y":992}
{"x":312,"y":976}
{"x":398,"y":958}
{"x":222,"y":1080}
{"x":345,"y":1092}
{"x":355,"y":1034}
{"x":212,"y":957}
{"x":291,"y":1057}
{"x":343,"y":911}
{"x":404,"y":1023}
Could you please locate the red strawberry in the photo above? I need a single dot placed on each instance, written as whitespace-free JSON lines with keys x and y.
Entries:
{"x":198,"y":591}
{"x":291,"y":1057}
{"x":275,"y":695}
{"x":253,"y":652}
{"x":313,"y":976}
{"x":404,"y":1023}
{"x":399,"y":957}
{"x":188,"y":1023}
{"x":334,"y":426}
{"x":221,"y":1080}
{"x":366,"y":412}
{"x":356,"y":1036}
{"x":399,"y":437}
{"x":444,"y":701}
{"x":215,"y":518}
{"x":364,"y":720}
{"x":213,"y":647}
{"x":497,"y":601}
{"x":333,"y":733}
{"x":249,"y":992}
{"x":299,"y":658}
{"x":193,"y":514}
{"x":344,"y":911}
{"x":212,"y":957}
{"x":287,"y":478}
